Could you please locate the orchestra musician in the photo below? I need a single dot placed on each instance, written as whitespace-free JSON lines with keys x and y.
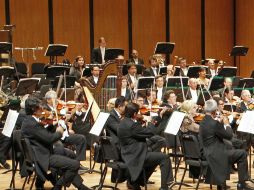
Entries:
{"x":202,"y":80}
{"x":132,"y":77}
{"x":135,"y":59}
{"x":99,"y":54}
{"x":170,"y":72}
{"x":134,"y":151}
{"x":211,"y":68}
{"x":183,"y":67}
{"x":95,"y":70}
{"x":192,"y":92}
{"x":125,"y":90}
{"x":72,"y":139}
{"x":159,"y":86}
{"x":169,"y":100}
{"x":212,"y":131}
{"x":246,"y":103}
{"x":153,"y":70}
{"x":78,"y":67}
{"x":42,"y":143}
{"x":189,"y":125}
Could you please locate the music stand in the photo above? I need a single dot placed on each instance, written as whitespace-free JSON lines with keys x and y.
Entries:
{"x":5,"y":47}
{"x":177,"y":71}
{"x":239,"y":51}
{"x":55,"y":50}
{"x":201,"y":100}
{"x":53,"y":71}
{"x":27,"y":86}
{"x":228,"y":71}
{"x":216,"y":83}
{"x":164,"y":48}
{"x":145,"y":82}
{"x":193,"y":71}
{"x":176,"y":82}
{"x":163,"y":70}
{"x":7,"y":71}
{"x":112,"y":53}
{"x":246,"y":83}
{"x":70,"y":82}
{"x":230,"y":107}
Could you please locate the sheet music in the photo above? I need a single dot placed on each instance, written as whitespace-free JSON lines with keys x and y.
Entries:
{"x":10,"y":123}
{"x":99,"y":123}
{"x":175,"y":122}
{"x":247,"y":122}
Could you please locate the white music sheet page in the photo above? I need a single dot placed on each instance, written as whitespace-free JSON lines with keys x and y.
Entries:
{"x":10,"y":123}
{"x":175,"y":122}
{"x":247,"y":122}
{"x":99,"y":123}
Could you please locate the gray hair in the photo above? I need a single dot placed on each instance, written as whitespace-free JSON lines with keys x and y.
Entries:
{"x":51,"y":94}
{"x":210,"y":106}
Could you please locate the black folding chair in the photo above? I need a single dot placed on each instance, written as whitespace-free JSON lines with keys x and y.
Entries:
{"x":111,"y":159}
{"x":28,"y":161}
{"x":192,"y":156}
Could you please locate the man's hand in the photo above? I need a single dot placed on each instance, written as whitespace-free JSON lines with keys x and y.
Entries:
{"x":60,"y":129}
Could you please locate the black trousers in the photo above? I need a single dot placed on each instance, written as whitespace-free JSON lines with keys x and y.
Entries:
{"x":239,"y":156}
{"x":80,"y":142}
{"x":5,"y":146}
{"x":152,"y":160}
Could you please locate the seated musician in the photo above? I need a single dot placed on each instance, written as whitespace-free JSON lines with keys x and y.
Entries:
{"x":183,"y":67}
{"x":190,"y":108}
{"x":159,"y":85}
{"x":134,"y":151}
{"x":170,"y":72}
{"x":135,"y":58}
{"x":114,"y":119}
{"x":77,"y":68}
{"x":227,"y":84}
{"x":202,"y":80}
{"x":212,"y":131}
{"x":229,"y":97}
{"x":211,"y":68}
{"x":132,"y":77}
{"x":95,"y":70}
{"x":246,"y":103}
{"x":192,"y":92}
{"x":169,"y":100}
{"x":111,"y":104}
{"x":153,"y":70}
{"x":125,"y":90}
{"x":74,"y":139}
{"x":42,"y":144}
{"x":151,"y":98}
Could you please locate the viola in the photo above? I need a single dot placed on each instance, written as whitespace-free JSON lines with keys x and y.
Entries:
{"x":199,"y":117}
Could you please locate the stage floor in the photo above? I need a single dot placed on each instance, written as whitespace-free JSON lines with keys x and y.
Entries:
{"x":93,"y":179}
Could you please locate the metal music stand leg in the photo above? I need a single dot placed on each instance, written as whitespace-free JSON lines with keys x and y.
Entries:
{"x":175,"y":182}
{"x":91,"y":168}
{"x":14,"y":167}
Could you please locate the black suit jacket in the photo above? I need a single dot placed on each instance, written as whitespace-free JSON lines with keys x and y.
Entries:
{"x":42,"y":143}
{"x":96,"y":56}
{"x":112,"y":125}
{"x":212,"y":134}
{"x":132,"y":137}
{"x":241,"y":108}
{"x":140,"y":61}
{"x":149,"y":72}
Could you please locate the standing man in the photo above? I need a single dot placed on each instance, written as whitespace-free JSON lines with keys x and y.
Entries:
{"x":98,"y":54}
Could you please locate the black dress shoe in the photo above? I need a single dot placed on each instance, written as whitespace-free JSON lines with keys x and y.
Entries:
{"x":150,"y":182}
{"x":132,"y":186}
{"x":6,"y":166}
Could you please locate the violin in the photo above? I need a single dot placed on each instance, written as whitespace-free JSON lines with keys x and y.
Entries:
{"x":199,"y":117}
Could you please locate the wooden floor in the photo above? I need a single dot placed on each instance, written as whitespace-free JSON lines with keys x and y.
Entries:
{"x":93,"y":179}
